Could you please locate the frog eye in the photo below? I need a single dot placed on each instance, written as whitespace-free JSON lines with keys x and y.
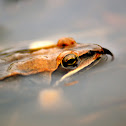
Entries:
{"x":70,"y":61}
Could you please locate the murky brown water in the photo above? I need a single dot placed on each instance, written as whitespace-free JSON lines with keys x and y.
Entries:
{"x":100,"y":97}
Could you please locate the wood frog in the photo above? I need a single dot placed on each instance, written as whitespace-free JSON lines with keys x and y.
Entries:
{"x":67,"y":53}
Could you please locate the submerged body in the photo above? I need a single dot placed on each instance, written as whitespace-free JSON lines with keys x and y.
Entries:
{"x":67,"y":53}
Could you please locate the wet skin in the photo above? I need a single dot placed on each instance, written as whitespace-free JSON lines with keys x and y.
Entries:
{"x":67,"y":53}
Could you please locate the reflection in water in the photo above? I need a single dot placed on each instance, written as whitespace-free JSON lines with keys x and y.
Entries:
{"x":14,"y":118}
{"x":96,"y":100}
{"x":110,"y":113}
{"x":52,"y":99}
{"x":91,"y":117}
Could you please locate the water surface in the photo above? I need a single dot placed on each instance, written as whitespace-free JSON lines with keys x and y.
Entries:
{"x":100,"y":97}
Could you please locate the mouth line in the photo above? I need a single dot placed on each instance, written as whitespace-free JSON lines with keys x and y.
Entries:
{"x":91,"y":53}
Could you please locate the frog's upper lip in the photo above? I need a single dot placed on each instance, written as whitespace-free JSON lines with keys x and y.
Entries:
{"x":84,"y":48}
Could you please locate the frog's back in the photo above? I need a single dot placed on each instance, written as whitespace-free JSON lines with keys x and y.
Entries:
{"x":25,"y":62}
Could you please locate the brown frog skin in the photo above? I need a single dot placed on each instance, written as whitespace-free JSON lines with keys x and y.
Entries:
{"x":67,"y":53}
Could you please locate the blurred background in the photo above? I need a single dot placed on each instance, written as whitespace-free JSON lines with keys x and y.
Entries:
{"x":100,"y":97}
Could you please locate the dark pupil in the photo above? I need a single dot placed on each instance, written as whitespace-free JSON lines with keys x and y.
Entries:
{"x":70,"y":60}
